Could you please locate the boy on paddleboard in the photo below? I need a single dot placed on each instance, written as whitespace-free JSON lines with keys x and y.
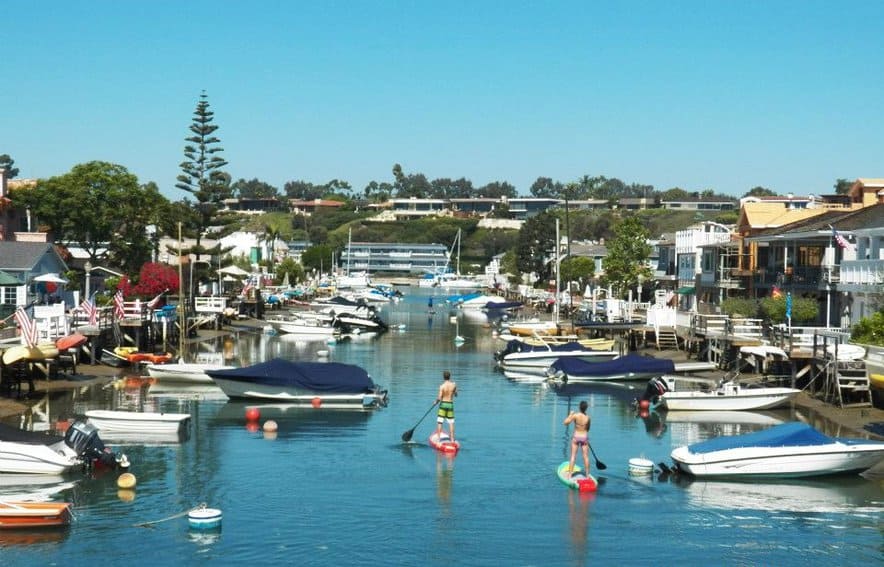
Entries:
{"x":580,"y":438}
{"x":445,"y":399}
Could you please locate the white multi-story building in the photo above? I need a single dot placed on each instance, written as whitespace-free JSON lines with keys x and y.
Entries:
{"x":689,"y":255}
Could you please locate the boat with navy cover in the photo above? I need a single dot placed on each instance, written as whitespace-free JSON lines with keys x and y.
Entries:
{"x":629,"y":367}
{"x":790,"y":450}
{"x":325,"y":384}
{"x":519,"y":356}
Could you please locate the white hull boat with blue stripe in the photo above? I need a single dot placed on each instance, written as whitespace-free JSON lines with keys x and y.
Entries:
{"x":790,"y":450}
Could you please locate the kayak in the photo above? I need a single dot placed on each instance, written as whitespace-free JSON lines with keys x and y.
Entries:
{"x":442,"y":442}
{"x":578,"y":480}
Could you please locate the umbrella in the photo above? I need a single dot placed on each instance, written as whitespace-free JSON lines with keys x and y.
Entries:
{"x":51,"y":277}
{"x":233,"y":271}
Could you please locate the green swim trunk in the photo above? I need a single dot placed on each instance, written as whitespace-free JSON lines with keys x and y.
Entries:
{"x":446,"y":411}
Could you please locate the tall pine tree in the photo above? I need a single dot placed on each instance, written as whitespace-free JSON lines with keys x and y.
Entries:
{"x":202,"y":173}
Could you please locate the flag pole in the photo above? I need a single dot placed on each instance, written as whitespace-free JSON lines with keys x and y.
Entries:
{"x":829,"y":265}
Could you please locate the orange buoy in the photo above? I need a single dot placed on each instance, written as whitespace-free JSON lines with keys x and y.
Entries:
{"x":316,"y":402}
{"x":644,"y":404}
{"x":252,"y":414}
{"x":252,"y":426}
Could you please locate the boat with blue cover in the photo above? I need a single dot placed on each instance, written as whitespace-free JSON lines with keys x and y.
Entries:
{"x":320,"y":384}
{"x":629,"y":367}
{"x":790,"y":450}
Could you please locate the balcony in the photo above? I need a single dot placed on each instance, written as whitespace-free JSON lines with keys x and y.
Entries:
{"x":862,"y":272}
{"x":804,"y":276}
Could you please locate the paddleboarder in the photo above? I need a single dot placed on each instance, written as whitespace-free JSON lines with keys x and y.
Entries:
{"x":581,"y":422}
{"x":445,"y":399}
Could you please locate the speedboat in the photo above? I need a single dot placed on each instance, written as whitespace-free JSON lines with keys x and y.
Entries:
{"x":790,"y":450}
{"x":520,"y":357}
{"x":111,"y":421}
{"x":628,"y":367}
{"x":320,"y":384}
{"x":726,"y":396}
{"x":37,"y":453}
{"x":184,"y":372}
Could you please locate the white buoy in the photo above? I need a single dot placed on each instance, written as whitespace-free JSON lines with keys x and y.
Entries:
{"x":640,"y":466}
{"x":322,"y":353}
{"x":204,"y":518}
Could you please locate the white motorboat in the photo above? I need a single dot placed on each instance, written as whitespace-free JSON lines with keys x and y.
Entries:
{"x":790,"y":450}
{"x":28,"y":452}
{"x":537,"y":361}
{"x":302,"y":327}
{"x":319,"y":384}
{"x":112,"y":422}
{"x":727,"y":396}
{"x":185,"y":372}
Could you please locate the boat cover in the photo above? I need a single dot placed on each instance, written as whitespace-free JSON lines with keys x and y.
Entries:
{"x":630,"y":363}
{"x":326,"y":377}
{"x":503,"y":304}
{"x":792,"y":434}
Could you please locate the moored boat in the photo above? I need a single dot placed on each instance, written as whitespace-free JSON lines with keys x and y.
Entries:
{"x":185,"y":372}
{"x":111,"y":421}
{"x":37,"y":453}
{"x":790,"y":450}
{"x":628,"y":367}
{"x":24,"y":515}
{"x":320,"y":384}
{"x":726,"y":396}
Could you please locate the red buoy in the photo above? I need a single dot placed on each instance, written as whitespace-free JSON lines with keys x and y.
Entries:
{"x":316,"y":402}
{"x":252,"y":414}
{"x":644,"y":404}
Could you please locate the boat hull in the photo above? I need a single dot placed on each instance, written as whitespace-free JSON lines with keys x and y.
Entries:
{"x":744,"y":399}
{"x":28,"y":458}
{"x":130,"y":422}
{"x":25,"y":515}
{"x":237,"y":389}
{"x":186,"y":373}
{"x":540,"y":361}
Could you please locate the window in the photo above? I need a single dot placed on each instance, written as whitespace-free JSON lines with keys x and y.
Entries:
{"x":9,"y":295}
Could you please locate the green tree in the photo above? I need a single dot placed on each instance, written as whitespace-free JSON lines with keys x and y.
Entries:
{"x":842,"y":186}
{"x":576,"y":269}
{"x":628,"y":254}
{"x":497,"y":189}
{"x":288,"y":266}
{"x":870,"y":330}
{"x":201,"y":172}
{"x":8,"y":163}
{"x":319,"y":258}
{"x":803,"y":309}
{"x":98,"y":205}
{"x":545,"y":187}
{"x":254,"y":189}
{"x":536,"y":244}
{"x":509,"y":265}
{"x":760,"y":192}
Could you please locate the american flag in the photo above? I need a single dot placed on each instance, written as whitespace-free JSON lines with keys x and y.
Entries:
{"x":28,"y":327}
{"x":156,"y":301}
{"x":246,"y":288}
{"x":119,"y":307}
{"x":842,"y":242}
{"x":90,"y":309}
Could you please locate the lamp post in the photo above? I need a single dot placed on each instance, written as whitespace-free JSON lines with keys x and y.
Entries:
{"x":88,"y":267}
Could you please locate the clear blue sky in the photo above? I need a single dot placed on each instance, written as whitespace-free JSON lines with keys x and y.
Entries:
{"x":722,"y":95}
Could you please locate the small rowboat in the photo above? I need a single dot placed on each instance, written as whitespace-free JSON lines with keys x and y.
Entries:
{"x":578,"y":479}
{"x":134,"y":356}
{"x":18,"y":515}
{"x":19,"y":353}
{"x":442,"y":442}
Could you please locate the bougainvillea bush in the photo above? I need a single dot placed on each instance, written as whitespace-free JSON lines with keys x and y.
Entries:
{"x":154,"y":279}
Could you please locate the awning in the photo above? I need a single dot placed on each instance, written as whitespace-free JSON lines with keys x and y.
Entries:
{"x":8,"y":279}
{"x":685,"y":291}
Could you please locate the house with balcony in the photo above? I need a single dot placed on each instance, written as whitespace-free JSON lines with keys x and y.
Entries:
{"x":403,"y":209}
{"x":479,"y":206}
{"x":311,"y":206}
{"x":690,"y":258}
{"x":699,"y":204}
{"x":862,"y":277}
{"x":388,"y":258}
{"x":528,"y":207}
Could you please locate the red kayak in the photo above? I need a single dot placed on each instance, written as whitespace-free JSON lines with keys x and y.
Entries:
{"x":442,"y":442}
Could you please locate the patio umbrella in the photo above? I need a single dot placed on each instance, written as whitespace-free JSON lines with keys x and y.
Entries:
{"x":51,"y":277}
{"x":233,"y":271}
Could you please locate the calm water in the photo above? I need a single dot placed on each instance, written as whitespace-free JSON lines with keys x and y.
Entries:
{"x":340,"y":488}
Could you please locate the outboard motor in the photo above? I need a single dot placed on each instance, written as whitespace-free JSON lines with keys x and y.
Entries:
{"x":83,"y":438}
{"x":656,"y":387}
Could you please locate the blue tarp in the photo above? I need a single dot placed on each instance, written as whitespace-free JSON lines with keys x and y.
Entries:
{"x":793,"y":434}
{"x":503,"y":304}
{"x":631,"y":363}
{"x":327,"y":377}
{"x":515,"y":345}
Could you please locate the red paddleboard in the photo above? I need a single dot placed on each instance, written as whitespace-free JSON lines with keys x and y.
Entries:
{"x":578,"y":479}
{"x":442,"y":442}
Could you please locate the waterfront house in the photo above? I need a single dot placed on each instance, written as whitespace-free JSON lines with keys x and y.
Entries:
{"x":863,"y":276}
{"x":691,"y":258}
{"x":386,"y":258}
{"x":20,"y":263}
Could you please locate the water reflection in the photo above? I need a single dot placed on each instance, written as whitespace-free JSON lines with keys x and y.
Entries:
{"x":444,"y":482}
{"x":293,"y":419}
{"x":578,"y":522}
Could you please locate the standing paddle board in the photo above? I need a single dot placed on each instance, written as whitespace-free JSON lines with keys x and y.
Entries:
{"x":442,"y":442}
{"x":578,"y":480}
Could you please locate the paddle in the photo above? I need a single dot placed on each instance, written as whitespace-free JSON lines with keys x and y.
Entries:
{"x":406,"y":437}
{"x":598,"y":464}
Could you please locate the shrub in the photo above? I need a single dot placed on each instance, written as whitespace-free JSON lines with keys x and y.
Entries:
{"x":870,"y":330}
{"x":803,"y":309}
{"x":740,"y":307}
